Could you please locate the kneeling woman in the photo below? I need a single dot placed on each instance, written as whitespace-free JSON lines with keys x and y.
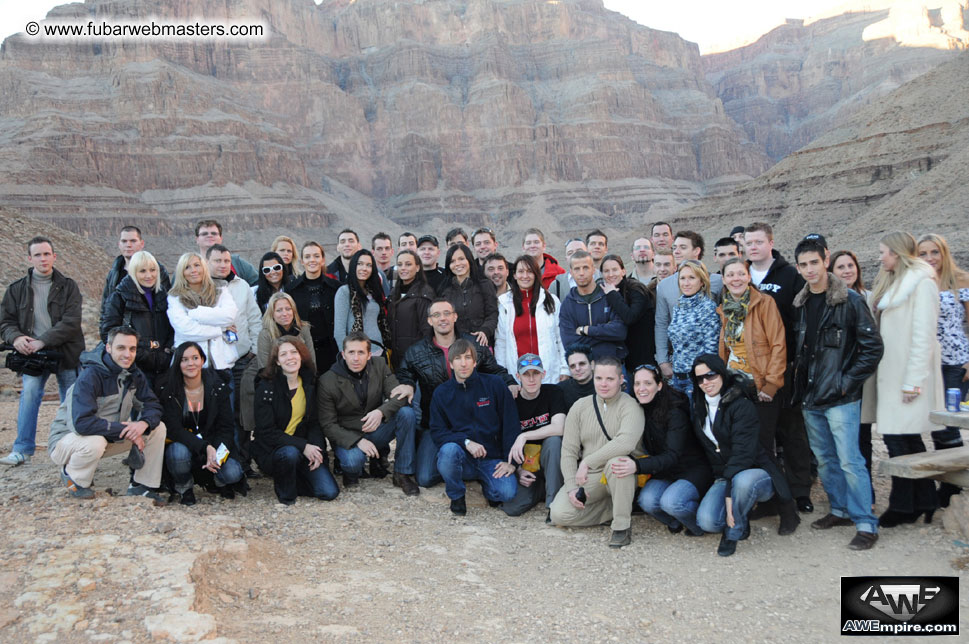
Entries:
{"x":288,"y":440}
{"x":198,"y":414}
{"x":679,"y":472}
{"x":726,"y":423}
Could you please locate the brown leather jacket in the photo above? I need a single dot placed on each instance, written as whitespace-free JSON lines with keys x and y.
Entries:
{"x":765,"y":341}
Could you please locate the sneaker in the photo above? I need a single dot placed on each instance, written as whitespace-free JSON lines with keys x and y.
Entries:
{"x":863,"y":541}
{"x":74,"y":489}
{"x":727,"y":546}
{"x":14,"y":459}
{"x":137,"y":489}
{"x":459,"y":507}
{"x":621,"y":538}
{"x":829,"y":521}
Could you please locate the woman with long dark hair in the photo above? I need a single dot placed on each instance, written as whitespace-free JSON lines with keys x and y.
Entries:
{"x":472,"y":295}
{"x":679,"y":472}
{"x":909,"y":378}
{"x":314,"y":292}
{"x":197,"y":412}
{"x":272,"y":279}
{"x":726,"y":424}
{"x":635,"y":304}
{"x":360,"y":304}
{"x":953,"y":310}
{"x":141,"y":302}
{"x":410,"y":300}
{"x":528,"y":322}
{"x":288,"y":441}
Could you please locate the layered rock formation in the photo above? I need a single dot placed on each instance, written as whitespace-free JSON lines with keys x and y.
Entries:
{"x":899,"y":164}
{"x":799,"y":80}
{"x":375,"y":113}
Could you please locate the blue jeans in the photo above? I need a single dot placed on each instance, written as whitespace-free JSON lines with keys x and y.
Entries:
{"x":427,"y":474}
{"x":30,"y":398}
{"x":178,"y":462}
{"x":671,"y":503}
{"x":400,"y":426}
{"x":293,"y":477}
{"x":833,"y":434}
{"x":747,"y":488}
{"x":455,"y":465}
{"x":684,"y":385}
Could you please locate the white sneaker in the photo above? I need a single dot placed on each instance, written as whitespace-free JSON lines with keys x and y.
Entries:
{"x":14,"y":459}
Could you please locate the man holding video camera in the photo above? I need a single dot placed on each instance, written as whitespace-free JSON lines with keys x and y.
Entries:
{"x":41,"y":319}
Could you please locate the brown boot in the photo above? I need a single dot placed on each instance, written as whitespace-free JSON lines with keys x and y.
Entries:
{"x":407,"y":483}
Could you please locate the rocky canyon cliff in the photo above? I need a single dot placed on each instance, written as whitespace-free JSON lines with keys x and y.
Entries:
{"x":384,"y":114}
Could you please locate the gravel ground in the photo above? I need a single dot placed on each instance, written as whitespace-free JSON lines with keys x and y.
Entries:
{"x":376,"y":565}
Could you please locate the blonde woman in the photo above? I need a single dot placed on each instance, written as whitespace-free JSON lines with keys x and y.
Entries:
{"x":909,"y":379}
{"x":140,"y":301}
{"x":695,"y":327}
{"x":202,"y":312}
{"x":285,"y":247}
{"x":953,"y":310}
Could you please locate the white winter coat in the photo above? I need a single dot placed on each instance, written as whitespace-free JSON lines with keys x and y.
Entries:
{"x":550,"y":347}
{"x":248,"y":317}
{"x":909,"y":314}
{"x":204,"y":325}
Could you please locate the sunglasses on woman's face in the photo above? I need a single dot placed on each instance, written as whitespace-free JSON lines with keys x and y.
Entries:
{"x":708,"y":376}
{"x":266,"y":270}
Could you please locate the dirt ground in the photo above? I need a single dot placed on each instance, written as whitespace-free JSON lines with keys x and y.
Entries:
{"x":374,"y":565}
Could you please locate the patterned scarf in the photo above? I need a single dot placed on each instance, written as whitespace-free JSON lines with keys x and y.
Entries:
{"x":356,"y":307}
{"x":735,"y":311}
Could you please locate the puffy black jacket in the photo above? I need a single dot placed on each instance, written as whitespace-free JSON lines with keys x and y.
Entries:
{"x":476,"y":303}
{"x":127,"y":305}
{"x":424,"y":365}
{"x":736,"y":428}
{"x":118,"y":272}
{"x":408,"y":317}
{"x":218,"y":427}
{"x":674,"y":452}
{"x":64,"y":308}
{"x":273,"y":411}
{"x":314,"y":303}
{"x":846,"y":351}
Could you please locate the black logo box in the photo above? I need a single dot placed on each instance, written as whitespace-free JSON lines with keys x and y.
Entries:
{"x":900,"y":600}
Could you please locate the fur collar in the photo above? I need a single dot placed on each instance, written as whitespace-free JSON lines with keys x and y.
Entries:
{"x":837,"y":292}
{"x":902,"y":290}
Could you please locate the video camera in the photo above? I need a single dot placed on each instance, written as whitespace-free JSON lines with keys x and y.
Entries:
{"x":36,"y":364}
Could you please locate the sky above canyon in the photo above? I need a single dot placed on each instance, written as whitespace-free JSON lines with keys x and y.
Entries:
{"x":713,"y":24}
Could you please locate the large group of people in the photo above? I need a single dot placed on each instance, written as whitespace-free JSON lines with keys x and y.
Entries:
{"x":698,"y":397}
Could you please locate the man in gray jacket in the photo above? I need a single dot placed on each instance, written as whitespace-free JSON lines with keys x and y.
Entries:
{"x":109,"y":410}
{"x":42,"y":320}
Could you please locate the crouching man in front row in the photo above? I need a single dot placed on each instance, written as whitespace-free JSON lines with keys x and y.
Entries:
{"x":600,"y":429}
{"x":109,"y":410}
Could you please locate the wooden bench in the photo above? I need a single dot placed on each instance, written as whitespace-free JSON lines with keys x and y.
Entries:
{"x":949,"y":465}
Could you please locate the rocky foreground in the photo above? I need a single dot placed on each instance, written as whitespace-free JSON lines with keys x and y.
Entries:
{"x":375,"y":565}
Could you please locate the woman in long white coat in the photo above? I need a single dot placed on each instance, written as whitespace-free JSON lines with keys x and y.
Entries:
{"x":909,"y":379}
{"x":528,"y":322}
{"x":202,"y":311}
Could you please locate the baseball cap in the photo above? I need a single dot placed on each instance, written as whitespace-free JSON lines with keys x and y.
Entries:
{"x":529,"y":362}
{"x":428,"y":239}
{"x":736,"y":229}
{"x":818,"y":237}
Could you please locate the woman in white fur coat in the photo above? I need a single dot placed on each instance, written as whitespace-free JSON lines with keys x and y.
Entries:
{"x":905,"y":299}
{"x":201,"y":309}
{"x":528,"y":322}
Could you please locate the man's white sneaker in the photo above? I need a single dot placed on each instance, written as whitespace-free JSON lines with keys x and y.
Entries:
{"x":14,"y":459}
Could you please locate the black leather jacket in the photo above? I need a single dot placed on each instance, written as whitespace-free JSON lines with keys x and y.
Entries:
{"x":127,"y":305}
{"x":847,"y":348}
{"x":424,"y":365}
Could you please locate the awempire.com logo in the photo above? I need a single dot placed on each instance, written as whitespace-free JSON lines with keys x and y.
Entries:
{"x":899,"y":605}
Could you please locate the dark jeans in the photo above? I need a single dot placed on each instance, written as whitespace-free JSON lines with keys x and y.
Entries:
{"x":864,"y":444}
{"x":293,"y":477}
{"x":182,"y":468}
{"x":791,"y":436}
{"x":548,"y":480}
{"x":456,"y":466}
{"x":242,"y":437}
{"x":951,"y":436}
{"x":909,"y":495}
{"x":426,"y":461}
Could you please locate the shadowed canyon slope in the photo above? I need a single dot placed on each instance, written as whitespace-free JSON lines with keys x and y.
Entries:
{"x":418,"y":112}
{"x":800,"y":80}
{"x":899,"y":164}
